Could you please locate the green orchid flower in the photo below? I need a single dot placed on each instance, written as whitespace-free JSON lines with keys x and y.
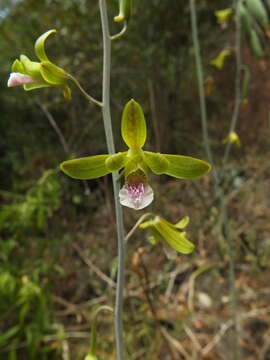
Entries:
{"x":172,"y":236}
{"x":136,"y":163}
{"x":34,"y":75}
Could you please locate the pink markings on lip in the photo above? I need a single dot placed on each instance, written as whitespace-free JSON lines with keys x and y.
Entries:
{"x":17,"y":79}
{"x":136,"y":195}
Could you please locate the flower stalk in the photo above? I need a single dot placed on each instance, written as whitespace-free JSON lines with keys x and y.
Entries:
{"x":116,"y":188}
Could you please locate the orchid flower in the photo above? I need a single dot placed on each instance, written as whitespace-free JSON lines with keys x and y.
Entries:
{"x":171,"y":235}
{"x":136,"y":163}
{"x":34,"y":75}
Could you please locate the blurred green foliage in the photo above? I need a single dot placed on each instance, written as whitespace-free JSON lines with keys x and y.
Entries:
{"x":153,"y":63}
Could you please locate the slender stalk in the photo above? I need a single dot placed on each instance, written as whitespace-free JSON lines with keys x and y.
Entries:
{"x":198,"y":60}
{"x":85,"y":94}
{"x":238,"y":60}
{"x":111,"y":148}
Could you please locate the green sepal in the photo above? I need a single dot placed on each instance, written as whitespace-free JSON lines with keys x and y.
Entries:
{"x":146,"y":224}
{"x":90,"y":167}
{"x":53,"y":74}
{"x":133,"y":125}
{"x":176,"y":239}
{"x":40,"y":45}
{"x":125,"y":9}
{"x":29,"y":87}
{"x":186,"y":167}
{"x":156,"y":162}
{"x":17,"y":67}
{"x":31,"y":68}
{"x":182,"y":223}
{"x":117,"y":161}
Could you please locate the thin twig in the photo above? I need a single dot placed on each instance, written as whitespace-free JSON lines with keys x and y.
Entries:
{"x":93,"y":267}
{"x":55,"y":127}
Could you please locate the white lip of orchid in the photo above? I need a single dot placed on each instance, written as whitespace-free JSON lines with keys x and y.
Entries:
{"x":17,"y":79}
{"x":136,"y":196}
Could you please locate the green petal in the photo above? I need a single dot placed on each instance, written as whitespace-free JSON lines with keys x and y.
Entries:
{"x":40,"y":45}
{"x":133,"y":125}
{"x":156,"y":162}
{"x":18,"y":67}
{"x":91,"y":167}
{"x":31,"y":68}
{"x":185,"y":167}
{"x":176,"y":239}
{"x":117,"y":161}
{"x":53,"y":74}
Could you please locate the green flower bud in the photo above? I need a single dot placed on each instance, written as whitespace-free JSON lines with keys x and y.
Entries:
{"x":125,"y":9}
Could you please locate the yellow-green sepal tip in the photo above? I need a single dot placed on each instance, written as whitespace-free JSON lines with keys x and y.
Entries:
{"x":133,"y":125}
{"x":40,"y":45}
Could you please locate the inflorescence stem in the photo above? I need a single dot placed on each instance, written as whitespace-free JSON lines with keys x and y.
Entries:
{"x":116,"y":188}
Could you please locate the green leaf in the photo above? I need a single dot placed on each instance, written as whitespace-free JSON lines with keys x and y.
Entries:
{"x":176,"y":239}
{"x":156,"y":162}
{"x":117,"y":161}
{"x":133,"y":125}
{"x":40,"y":45}
{"x":186,"y":167}
{"x":53,"y":74}
{"x":91,"y":167}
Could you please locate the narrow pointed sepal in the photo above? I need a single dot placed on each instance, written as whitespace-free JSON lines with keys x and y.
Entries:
{"x":185,"y":167}
{"x":133,"y":126}
{"x":174,"y":238}
{"x":40,"y":45}
{"x":87,"y":168}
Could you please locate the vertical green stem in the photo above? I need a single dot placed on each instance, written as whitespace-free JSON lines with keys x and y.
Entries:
{"x":111,"y":148}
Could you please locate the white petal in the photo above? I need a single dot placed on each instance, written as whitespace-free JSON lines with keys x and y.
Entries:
{"x":16,"y":79}
{"x":136,"y":203}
